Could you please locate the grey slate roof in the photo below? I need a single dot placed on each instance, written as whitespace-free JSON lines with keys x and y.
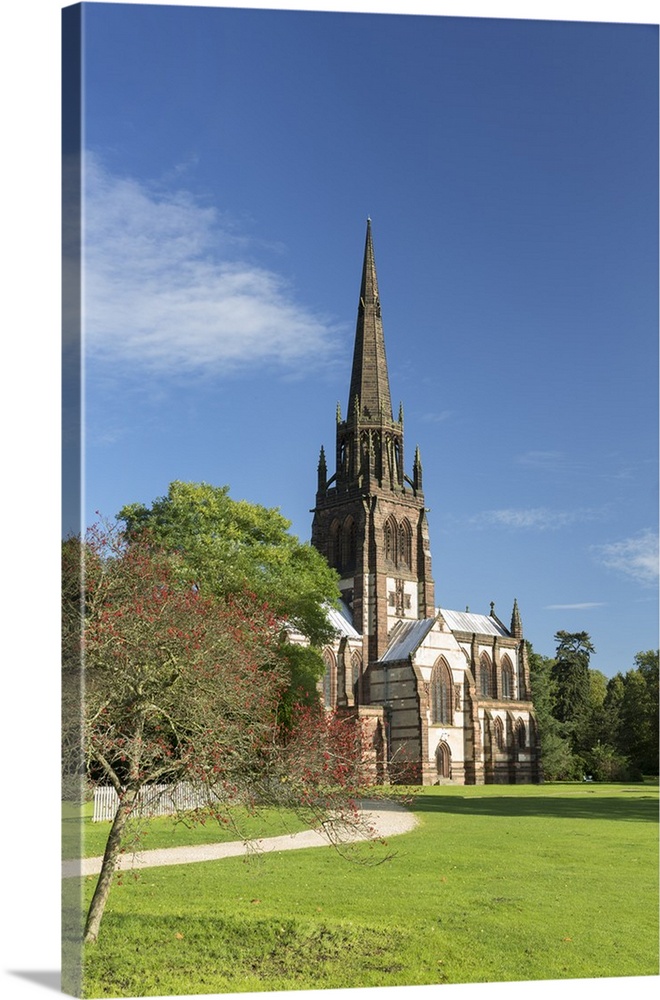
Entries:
{"x":465,"y":621}
{"x":406,"y":639}
{"x":342,"y":621}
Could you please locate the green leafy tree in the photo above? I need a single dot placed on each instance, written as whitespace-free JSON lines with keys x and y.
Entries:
{"x":594,"y":730}
{"x":557,"y":758}
{"x":638,"y":734}
{"x":612,"y":709}
{"x":173,"y":685}
{"x":227,"y":546}
{"x":573,"y":689}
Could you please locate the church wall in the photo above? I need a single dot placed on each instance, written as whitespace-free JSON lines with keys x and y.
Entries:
{"x":402,"y":600}
{"x":394,"y":686}
{"x":440,"y":642}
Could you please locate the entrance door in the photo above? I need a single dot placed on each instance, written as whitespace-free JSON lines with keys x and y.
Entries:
{"x":443,"y":761}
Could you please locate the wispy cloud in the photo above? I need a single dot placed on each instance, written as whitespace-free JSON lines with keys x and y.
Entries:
{"x":543,"y":461}
{"x":168,"y":285}
{"x":535,"y":518}
{"x":582,"y":606}
{"x":437,"y":418}
{"x":636,"y":557}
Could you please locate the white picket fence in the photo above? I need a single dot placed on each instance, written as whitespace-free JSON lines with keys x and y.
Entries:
{"x":153,"y":800}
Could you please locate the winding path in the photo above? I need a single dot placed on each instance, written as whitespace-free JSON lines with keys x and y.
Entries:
{"x":386,"y":819}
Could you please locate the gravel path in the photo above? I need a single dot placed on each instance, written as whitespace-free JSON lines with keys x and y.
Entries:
{"x":387,"y":819}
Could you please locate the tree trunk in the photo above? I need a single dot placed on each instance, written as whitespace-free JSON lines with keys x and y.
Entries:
{"x":100,"y":897}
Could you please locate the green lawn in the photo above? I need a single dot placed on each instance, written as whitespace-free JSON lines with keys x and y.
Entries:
{"x":165,"y":831}
{"x":495,"y":884}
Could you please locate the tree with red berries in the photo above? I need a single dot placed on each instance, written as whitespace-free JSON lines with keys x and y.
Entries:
{"x":174,"y":685}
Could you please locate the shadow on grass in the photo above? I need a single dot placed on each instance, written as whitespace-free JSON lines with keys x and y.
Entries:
{"x":642,"y":809}
{"x":228,"y":953}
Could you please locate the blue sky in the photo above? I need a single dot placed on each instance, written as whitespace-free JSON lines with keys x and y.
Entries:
{"x":510,"y":170}
{"x":513,"y":212}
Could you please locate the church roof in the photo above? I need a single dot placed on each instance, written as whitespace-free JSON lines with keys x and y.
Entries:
{"x":465,"y":621}
{"x":341,"y":620}
{"x":407,"y":637}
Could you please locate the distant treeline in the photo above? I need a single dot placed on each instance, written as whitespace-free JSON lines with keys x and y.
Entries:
{"x":592,"y":726}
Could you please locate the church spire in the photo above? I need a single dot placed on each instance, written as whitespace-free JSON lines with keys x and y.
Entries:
{"x":370,"y":383}
{"x":516,"y":629}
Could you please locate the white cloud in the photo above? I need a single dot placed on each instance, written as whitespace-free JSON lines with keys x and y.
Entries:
{"x":538,"y":518}
{"x":547,"y":461}
{"x":636,"y":556}
{"x":437,"y":418}
{"x":583,"y":606}
{"x":167,"y":286}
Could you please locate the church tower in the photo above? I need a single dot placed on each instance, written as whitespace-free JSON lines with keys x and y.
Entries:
{"x":369,"y":519}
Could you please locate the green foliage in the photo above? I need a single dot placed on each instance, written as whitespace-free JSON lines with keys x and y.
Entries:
{"x":558,"y":761}
{"x":231,"y":547}
{"x":604,"y":763}
{"x":589,"y":724}
{"x":563,"y":885}
{"x":305,"y":667}
{"x":571,"y":675}
{"x":639,"y":713}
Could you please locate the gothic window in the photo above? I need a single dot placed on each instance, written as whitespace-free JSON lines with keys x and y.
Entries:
{"x":342,"y":460}
{"x":499,"y":734}
{"x":334,"y":544}
{"x":485,"y":676}
{"x":329,"y":678}
{"x":405,"y":544}
{"x":397,"y":461}
{"x":390,"y":541}
{"x":356,"y":663}
{"x":348,"y":544}
{"x":521,"y":736}
{"x":507,"y":678}
{"x":443,"y":761}
{"x":441,"y":693}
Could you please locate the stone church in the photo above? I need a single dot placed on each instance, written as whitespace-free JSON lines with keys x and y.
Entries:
{"x":444,"y":694}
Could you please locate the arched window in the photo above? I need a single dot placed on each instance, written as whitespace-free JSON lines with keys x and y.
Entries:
{"x":356,"y":663}
{"x":390,"y":531}
{"x":405,"y":544}
{"x":348,"y":544}
{"x":334,"y":544}
{"x":441,"y":693}
{"x":329,"y":678}
{"x":507,"y":678}
{"x":521,"y":735}
{"x":485,"y":676}
{"x":443,"y":761}
{"x":499,"y":734}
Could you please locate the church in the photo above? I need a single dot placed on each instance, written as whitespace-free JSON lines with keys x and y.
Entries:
{"x":445,"y":695}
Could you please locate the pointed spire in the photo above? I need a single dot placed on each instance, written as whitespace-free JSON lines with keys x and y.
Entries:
{"x":417,"y":471}
{"x":516,"y":629}
{"x":369,"y":378}
{"x":322,"y":471}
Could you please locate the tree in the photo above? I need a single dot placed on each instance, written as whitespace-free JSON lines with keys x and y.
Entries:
{"x":638,"y":733}
{"x":227,"y":547}
{"x":182,"y":686}
{"x":573,"y":690}
{"x":176,"y":686}
{"x":557,"y":758}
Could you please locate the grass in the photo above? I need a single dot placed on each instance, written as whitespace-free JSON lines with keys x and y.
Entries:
{"x":165,"y":831}
{"x":495,"y":884}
